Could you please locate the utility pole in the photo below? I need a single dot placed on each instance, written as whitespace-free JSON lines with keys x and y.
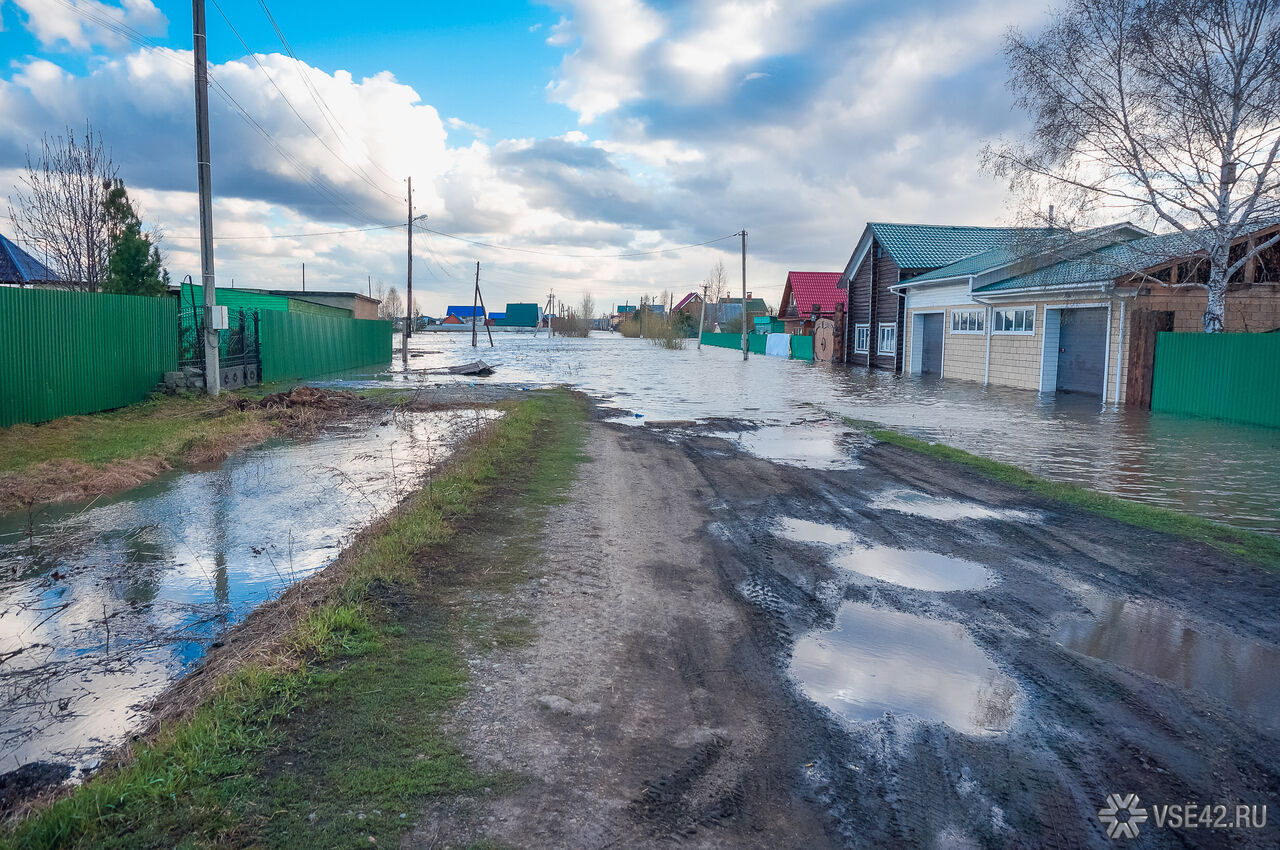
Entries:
{"x":199,"y":44}
{"x":480,"y":296}
{"x":408,"y":318}
{"x":369,"y":280}
{"x":304,"y":277}
{"x":702,"y":315}
{"x":744,"y":295}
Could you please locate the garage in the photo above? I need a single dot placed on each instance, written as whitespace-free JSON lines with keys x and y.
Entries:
{"x":1082,"y":350}
{"x":931,"y":340}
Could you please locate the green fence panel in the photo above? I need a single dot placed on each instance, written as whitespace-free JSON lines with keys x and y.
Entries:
{"x":311,"y":308}
{"x":1219,"y":376}
{"x":801,"y":347}
{"x":64,"y":352}
{"x":756,"y":343}
{"x":295,"y":345}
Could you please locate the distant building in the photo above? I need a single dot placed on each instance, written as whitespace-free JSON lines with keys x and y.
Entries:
{"x":465,"y":312}
{"x":18,"y":268}
{"x":809,"y":296}
{"x":519,"y":315}
{"x":360,"y":306}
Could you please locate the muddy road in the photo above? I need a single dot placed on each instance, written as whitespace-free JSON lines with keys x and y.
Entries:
{"x":886,"y":651}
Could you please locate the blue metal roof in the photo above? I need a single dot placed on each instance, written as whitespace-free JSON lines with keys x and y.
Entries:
{"x":930,"y":246}
{"x":465,"y":312}
{"x":17,"y":266}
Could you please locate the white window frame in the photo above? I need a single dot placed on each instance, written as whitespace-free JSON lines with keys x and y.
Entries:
{"x":893,"y":338}
{"x":999,"y":311}
{"x":977,"y":313}
{"x":858,"y":330}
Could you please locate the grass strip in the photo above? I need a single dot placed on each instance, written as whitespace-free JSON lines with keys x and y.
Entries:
{"x":1256,"y":547}
{"x":336,"y":739}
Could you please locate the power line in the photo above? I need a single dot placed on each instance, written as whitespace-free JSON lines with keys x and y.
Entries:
{"x":354,"y":169}
{"x":576,"y":256}
{"x":301,"y":235}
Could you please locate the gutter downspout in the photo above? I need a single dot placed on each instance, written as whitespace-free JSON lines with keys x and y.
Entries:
{"x":1120,"y":353}
{"x":986,"y":326}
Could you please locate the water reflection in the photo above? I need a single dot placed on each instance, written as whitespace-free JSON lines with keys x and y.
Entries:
{"x":914,"y":568}
{"x":807,"y":531}
{"x":875,"y":661}
{"x":102,"y":605}
{"x":942,"y":508}
{"x":1162,"y":642}
{"x":1215,"y":469}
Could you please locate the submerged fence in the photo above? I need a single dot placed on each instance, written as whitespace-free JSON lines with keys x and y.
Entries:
{"x":1219,"y":376}
{"x":801,"y":346}
{"x":65,"y":352}
{"x":295,"y":345}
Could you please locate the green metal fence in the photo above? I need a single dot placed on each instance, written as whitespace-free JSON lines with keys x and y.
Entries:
{"x":1219,"y":376}
{"x":65,"y":352}
{"x":296,"y":345}
{"x":801,"y":347}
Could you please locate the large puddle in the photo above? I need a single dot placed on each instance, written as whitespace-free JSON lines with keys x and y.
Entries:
{"x":102,"y":605}
{"x":1161,"y":642}
{"x":915,"y":568}
{"x":810,"y":445}
{"x":942,"y":508}
{"x":875,"y":662}
{"x":809,"y":532}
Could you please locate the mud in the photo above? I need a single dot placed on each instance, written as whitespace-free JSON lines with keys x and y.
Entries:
{"x":703,"y":674}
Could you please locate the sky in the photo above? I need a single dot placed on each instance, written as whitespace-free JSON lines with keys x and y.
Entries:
{"x":559,"y":134}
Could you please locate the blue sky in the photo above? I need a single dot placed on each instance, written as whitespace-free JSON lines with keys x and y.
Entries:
{"x":566,"y":127}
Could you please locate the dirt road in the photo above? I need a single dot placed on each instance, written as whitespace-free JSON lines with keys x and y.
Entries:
{"x":731,"y":652}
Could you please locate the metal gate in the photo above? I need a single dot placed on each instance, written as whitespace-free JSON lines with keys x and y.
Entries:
{"x":239,"y":348}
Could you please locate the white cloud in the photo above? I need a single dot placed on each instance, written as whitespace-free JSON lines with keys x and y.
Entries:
{"x":80,"y":24}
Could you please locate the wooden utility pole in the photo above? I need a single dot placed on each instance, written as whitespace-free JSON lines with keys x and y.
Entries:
{"x":744,"y":295}
{"x":703,"y":314}
{"x":369,"y":280}
{"x":304,"y":277}
{"x":480,"y":296}
{"x":212,"y":374}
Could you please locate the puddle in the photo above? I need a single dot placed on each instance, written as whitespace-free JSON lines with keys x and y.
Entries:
{"x":876,"y":661}
{"x":102,"y":605}
{"x":811,"y":445}
{"x":943,"y":508}
{"x":805,"y":531}
{"x":1161,"y":642}
{"x":916,"y":569}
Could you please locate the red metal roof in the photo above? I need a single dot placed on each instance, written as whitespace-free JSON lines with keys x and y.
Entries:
{"x":809,"y":288}
{"x":685,"y":300}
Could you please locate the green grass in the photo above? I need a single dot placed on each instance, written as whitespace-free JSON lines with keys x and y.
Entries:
{"x":1246,"y":544}
{"x":163,"y":426}
{"x":350,"y":723}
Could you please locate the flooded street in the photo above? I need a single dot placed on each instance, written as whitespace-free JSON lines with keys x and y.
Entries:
{"x":1218,"y":470}
{"x":103,"y":604}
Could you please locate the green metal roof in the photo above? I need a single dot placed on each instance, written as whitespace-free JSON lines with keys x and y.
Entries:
{"x":930,"y":246}
{"x":1104,"y":264}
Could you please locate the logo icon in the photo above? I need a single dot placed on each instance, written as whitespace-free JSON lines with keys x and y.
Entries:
{"x":1122,"y":816}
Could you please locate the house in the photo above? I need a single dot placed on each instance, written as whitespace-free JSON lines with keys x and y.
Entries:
{"x":18,"y":268}
{"x":519,"y":315}
{"x":809,"y":296}
{"x":357,"y":305}
{"x":690,"y":305}
{"x":1074,"y":313}
{"x":451,"y":319}
{"x":888,"y":254}
{"x":466,"y":313}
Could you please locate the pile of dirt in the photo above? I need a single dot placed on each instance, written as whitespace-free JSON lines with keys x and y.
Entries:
{"x":308,"y":397}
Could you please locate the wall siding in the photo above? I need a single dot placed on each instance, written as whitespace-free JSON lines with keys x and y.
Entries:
{"x":297,"y":346}
{"x":64,"y":353}
{"x":1219,"y":376}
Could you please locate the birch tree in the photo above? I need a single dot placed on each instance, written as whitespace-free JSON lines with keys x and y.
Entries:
{"x":1166,"y":111}
{"x":59,"y":207}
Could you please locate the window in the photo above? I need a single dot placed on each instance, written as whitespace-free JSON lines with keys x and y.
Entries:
{"x":1019,"y":321}
{"x":888,"y":339}
{"x":861,"y":337}
{"x":967,"y":321}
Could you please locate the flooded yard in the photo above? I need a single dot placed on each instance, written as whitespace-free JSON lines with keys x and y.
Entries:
{"x":103,"y":604}
{"x":1213,"y":469}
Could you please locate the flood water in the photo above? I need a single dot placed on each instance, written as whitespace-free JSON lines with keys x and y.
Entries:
{"x":1217,"y":470}
{"x":1155,"y":640}
{"x":103,"y":604}
{"x":873,"y":662}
